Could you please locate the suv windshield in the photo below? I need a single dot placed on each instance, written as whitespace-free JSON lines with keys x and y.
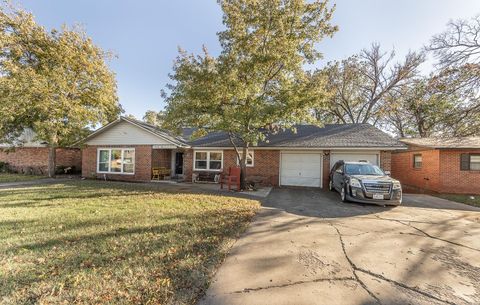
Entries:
{"x":363,"y":169}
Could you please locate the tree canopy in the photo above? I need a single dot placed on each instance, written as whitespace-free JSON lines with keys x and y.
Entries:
{"x":258,"y":82}
{"x":55,"y":82}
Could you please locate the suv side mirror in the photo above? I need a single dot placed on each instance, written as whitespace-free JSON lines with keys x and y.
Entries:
{"x":388,"y":173}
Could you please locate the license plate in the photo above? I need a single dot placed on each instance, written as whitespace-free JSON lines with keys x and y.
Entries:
{"x":377,"y":196}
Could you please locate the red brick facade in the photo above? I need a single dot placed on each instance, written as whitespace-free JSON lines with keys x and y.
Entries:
{"x":143,"y":163}
{"x":266,"y":165}
{"x":440,"y":171}
{"x":34,"y":160}
{"x":162,"y":158}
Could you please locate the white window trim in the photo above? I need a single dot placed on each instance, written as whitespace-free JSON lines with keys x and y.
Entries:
{"x":208,"y":160}
{"x":249,"y":152}
{"x":109,"y":160}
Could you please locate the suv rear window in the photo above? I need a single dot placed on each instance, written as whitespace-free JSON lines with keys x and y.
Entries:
{"x":363,"y":169}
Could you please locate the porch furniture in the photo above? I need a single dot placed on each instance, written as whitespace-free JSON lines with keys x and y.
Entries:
{"x":155,"y":174}
{"x":233,"y":178}
{"x":160,"y":173}
{"x":204,"y":177}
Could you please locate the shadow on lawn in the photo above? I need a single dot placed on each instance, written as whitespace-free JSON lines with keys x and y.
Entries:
{"x":184,"y":251}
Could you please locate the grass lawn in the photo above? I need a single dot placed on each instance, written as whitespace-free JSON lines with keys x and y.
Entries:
{"x":103,"y":242}
{"x":5,"y":178}
{"x":462,"y":199}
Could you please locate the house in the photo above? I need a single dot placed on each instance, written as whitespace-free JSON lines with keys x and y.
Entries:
{"x":439,"y":165}
{"x":30,"y":156}
{"x":127,"y":149}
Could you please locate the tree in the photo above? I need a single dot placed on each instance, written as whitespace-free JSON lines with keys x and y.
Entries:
{"x":154,"y":117}
{"x":360,"y":84}
{"x":457,"y":50}
{"x":258,"y":83}
{"x":56,"y":82}
{"x":417,"y":109}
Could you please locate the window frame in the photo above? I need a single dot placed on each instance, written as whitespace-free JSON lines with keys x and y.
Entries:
{"x":208,"y":160}
{"x":249,"y":152}
{"x":109,"y":149}
{"x":415,"y":162}
{"x":470,"y":161}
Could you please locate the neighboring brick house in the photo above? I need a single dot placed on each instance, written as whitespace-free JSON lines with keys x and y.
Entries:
{"x":127,"y":149}
{"x":30,"y":156}
{"x":450,"y":166}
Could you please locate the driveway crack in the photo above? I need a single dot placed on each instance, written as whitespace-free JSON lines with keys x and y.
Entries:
{"x":381,"y":277}
{"x":296,"y":283}
{"x":354,"y":267}
{"x":409,"y":224}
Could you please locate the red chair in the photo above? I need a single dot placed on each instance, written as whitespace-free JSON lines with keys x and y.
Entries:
{"x":233,"y":178}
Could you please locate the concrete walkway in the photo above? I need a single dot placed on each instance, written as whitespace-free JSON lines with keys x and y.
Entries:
{"x":306,"y":247}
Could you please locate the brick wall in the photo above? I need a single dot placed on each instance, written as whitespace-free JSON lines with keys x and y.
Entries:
{"x":162,"y":158}
{"x":35,"y":159}
{"x":452,"y":179}
{"x":386,"y":160}
{"x":143,"y":163}
{"x":425,"y":178}
{"x":266,"y":165}
{"x":326,"y":169}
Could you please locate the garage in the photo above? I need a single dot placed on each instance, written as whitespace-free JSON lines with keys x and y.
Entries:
{"x":372,"y":157}
{"x":301,"y":169}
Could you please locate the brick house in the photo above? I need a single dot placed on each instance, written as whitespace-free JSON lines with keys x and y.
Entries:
{"x":127,"y":149}
{"x":30,"y":156}
{"x":450,"y":166}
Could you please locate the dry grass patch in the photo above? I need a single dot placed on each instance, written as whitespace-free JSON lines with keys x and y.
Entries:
{"x":6,"y":178}
{"x":95,"y":242}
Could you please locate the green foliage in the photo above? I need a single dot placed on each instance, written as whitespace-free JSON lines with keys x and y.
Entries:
{"x":56,"y":82}
{"x":154,"y":117}
{"x":258,"y":82}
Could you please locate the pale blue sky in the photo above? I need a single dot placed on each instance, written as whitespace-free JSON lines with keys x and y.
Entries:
{"x":145,"y":35}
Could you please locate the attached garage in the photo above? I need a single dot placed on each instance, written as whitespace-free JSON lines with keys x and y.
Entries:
{"x":301,"y":169}
{"x":372,"y":157}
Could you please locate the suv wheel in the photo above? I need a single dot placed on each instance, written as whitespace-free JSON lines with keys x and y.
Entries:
{"x":330,"y":185}
{"x":343,"y":194}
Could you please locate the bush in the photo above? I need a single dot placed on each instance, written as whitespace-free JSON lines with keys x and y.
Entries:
{"x":4,"y":167}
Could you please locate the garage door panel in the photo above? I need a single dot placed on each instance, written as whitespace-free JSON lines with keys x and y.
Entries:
{"x":355,"y":157}
{"x":301,"y":169}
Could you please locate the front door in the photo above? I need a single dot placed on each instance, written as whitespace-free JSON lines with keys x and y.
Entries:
{"x":179,"y":163}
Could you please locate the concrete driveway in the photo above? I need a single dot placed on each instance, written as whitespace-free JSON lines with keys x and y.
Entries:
{"x":306,"y":247}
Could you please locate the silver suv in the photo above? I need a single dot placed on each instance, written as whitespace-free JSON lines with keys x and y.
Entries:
{"x":365,"y":183}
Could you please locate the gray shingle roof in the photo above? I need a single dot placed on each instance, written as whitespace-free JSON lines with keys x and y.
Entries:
{"x":460,"y":142}
{"x":311,"y":136}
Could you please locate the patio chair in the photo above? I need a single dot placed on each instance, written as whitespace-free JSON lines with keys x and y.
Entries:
{"x":233,"y":178}
{"x":155,"y":173}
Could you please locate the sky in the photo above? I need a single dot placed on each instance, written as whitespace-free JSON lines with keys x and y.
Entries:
{"x":145,"y":35}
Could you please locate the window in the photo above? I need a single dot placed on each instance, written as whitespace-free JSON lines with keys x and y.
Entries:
{"x":116,"y":160}
{"x":474,"y":162}
{"x":249,"y":158}
{"x":470,"y":162}
{"x":208,"y":160}
{"x":417,"y":161}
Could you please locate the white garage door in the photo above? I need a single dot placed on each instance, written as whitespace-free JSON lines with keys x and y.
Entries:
{"x":370,"y":157}
{"x":301,"y":169}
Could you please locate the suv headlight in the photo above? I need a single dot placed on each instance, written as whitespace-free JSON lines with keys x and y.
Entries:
{"x":355,"y":182}
{"x":396,"y":185}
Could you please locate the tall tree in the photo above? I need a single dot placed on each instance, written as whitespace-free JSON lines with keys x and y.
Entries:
{"x":154,"y":117}
{"x":258,"y":82}
{"x":457,"y":50}
{"x":360,"y":84}
{"x":56,"y":82}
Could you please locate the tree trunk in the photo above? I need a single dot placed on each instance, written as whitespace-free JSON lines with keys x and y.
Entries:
{"x":243,"y":168}
{"x":51,"y":160}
